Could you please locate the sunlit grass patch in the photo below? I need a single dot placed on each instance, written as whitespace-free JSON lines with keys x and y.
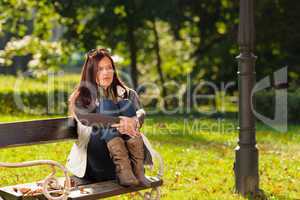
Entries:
{"x":198,"y":155}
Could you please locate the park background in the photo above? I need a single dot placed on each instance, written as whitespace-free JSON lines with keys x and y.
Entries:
{"x":163,"y":49}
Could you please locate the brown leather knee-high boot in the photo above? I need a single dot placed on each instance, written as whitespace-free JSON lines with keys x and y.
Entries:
{"x":119,"y":154}
{"x":135,"y":147}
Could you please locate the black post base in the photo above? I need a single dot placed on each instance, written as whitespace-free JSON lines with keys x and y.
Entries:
{"x":246,"y":170}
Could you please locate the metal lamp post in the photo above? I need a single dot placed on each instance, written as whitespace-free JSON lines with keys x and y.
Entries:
{"x":246,"y":161}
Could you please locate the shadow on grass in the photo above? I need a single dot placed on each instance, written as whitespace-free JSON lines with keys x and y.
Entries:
{"x":187,"y":141}
{"x":228,"y":115}
{"x":201,"y":143}
{"x":262,"y":195}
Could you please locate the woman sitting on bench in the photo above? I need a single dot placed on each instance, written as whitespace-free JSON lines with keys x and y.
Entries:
{"x":113,"y":152}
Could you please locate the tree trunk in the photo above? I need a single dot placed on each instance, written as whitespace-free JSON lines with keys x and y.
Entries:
{"x":203,"y":47}
{"x":158,"y":63}
{"x":131,"y":39}
{"x":133,"y":58}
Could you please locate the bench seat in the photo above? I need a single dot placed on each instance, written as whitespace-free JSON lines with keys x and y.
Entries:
{"x":91,"y":191}
{"x":43,"y":131}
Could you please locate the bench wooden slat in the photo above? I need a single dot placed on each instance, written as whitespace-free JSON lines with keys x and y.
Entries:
{"x":94,"y":190}
{"x":47,"y":130}
{"x":37,"y":131}
{"x":108,"y":189}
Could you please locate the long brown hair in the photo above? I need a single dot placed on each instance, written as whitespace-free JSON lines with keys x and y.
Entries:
{"x":83,"y":99}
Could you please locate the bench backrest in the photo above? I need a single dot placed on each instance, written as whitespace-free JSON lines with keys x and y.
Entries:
{"x":36,"y":131}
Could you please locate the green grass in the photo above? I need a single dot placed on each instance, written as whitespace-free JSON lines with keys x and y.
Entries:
{"x":198,"y":155}
{"x":27,"y":84}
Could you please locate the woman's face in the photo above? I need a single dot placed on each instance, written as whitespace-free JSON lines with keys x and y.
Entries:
{"x":105,"y":73}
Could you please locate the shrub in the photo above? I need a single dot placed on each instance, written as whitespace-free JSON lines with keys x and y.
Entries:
{"x":265,"y":104}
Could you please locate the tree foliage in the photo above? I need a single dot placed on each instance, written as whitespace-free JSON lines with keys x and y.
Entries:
{"x":158,"y":40}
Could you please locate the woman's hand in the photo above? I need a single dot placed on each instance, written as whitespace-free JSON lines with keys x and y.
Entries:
{"x":127,"y":125}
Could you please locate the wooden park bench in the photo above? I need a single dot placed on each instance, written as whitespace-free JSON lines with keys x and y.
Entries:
{"x":24,"y":133}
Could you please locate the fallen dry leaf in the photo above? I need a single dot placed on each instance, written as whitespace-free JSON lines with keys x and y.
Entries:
{"x":24,"y":190}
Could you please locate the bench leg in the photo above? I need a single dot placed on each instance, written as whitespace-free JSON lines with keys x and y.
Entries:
{"x":154,"y":194}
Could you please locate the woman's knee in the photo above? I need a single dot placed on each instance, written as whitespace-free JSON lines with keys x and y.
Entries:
{"x":127,"y":108}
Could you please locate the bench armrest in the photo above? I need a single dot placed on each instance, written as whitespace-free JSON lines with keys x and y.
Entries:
{"x":50,"y":178}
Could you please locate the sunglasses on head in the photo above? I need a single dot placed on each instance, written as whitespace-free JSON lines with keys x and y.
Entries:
{"x":94,"y":52}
